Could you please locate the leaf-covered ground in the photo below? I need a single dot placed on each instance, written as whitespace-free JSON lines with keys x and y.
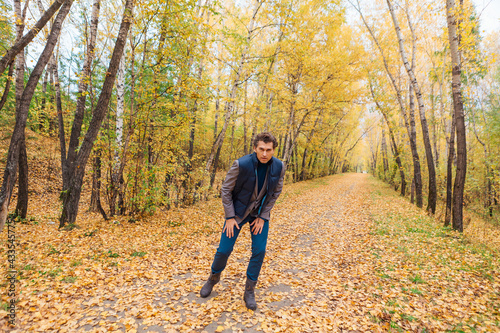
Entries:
{"x":345,"y":253}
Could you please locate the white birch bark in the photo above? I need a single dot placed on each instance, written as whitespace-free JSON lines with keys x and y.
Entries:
{"x":431,"y":204}
{"x":120,"y":105}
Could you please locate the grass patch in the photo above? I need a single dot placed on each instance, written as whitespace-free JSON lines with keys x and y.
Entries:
{"x":416,"y":291}
{"x":408,"y":317}
{"x":90,"y":233}
{"x":76,"y":263}
{"x":138,"y":254}
{"x":54,"y":272}
{"x":53,"y":250}
{"x":69,"y":279}
{"x":417,"y":279}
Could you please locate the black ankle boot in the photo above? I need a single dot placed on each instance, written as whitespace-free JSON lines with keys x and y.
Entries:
{"x":249,"y":295}
{"x":213,"y":279}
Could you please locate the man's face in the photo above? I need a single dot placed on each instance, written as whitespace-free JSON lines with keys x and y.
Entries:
{"x":264,"y":151}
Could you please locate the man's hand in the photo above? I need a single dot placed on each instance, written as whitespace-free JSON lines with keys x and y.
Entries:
{"x":257,"y":225}
{"x":229,"y":227}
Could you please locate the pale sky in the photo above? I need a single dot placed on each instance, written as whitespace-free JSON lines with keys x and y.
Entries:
{"x":488,"y":11}
{"x":489,"y":14}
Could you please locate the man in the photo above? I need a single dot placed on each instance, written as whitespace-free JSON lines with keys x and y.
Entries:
{"x":250,"y":190}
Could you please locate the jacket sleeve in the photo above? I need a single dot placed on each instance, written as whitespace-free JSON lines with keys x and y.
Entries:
{"x":227,"y":190}
{"x":266,"y":211}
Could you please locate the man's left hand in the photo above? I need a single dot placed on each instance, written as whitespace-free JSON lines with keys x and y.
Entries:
{"x":257,"y":225}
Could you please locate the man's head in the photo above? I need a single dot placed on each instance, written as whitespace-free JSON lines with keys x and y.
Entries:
{"x":263,"y":145}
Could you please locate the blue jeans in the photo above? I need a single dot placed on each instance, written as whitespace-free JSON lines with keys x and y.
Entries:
{"x":226,"y":245}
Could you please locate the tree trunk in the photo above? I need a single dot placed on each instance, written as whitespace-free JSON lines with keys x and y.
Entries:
{"x":295,"y":164}
{"x":311,"y":164}
{"x":216,"y":163}
{"x":303,"y":175}
{"x":282,"y":147}
{"x":288,"y":147}
{"x":71,"y":197}
{"x":43,"y":105}
{"x":413,"y":132}
{"x":44,"y":115}
{"x":385,"y":162}
{"x":245,"y":139}
{"x":449,"y":171}
{"x":95,"y":198}
{"x":412,"y":194}
{"x":74,"y":140}
{"x":217,"y":100}
{"x":8,"y":83}
{"x":432,"y":198}
{"x":120,"y":106}
{"x":62,"y":134}
{"x":458,"y":188}
{"x":22,"y":190}
{"x":232,"y":145}
{"x":26,"y":39}
{"x":374,"y":152}
{"x":434,"y":131}
{"x":22,"y":115}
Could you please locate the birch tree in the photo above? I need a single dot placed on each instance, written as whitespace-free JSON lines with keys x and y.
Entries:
{"x":458,"y":188}
{"x":22,"y":192}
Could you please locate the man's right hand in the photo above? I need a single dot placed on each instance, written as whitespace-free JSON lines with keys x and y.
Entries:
{"x":229,"y":227}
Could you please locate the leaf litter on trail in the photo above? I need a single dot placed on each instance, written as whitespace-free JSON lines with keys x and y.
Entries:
{"x":340,"y":256}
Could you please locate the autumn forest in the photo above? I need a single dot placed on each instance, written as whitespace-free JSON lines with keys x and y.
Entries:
{"x":120,"y":119}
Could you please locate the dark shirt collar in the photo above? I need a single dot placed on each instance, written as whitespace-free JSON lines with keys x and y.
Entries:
{"x":259,"y":163}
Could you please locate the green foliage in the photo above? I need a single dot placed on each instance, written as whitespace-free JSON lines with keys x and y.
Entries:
{"x":6,"y":29}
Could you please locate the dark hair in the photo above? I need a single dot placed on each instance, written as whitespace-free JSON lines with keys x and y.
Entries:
{"x":265,"y":137}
